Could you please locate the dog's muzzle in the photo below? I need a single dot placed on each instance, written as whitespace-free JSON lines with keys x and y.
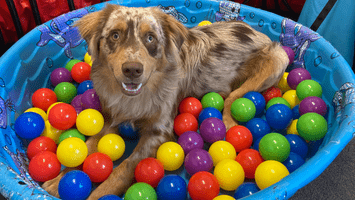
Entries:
{"x":132,"y":71}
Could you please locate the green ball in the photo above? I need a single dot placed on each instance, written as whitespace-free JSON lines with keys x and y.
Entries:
{"x":140,"y":191}
{"x":214,"y":100}
{"x":71,"y":63}
{"x":308,"y":88}
{"x":277,"y":100}
{"x":65,"y":92}
{"x":71,"y":133}
{"x":312,"y":126}
{"x":243,"y":109}
{"x":274,"y":146}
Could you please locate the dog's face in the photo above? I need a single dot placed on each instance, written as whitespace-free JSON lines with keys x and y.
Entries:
{"x":138,"y":45}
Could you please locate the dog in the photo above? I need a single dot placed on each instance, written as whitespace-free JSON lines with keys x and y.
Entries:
{"x":145,"y":62}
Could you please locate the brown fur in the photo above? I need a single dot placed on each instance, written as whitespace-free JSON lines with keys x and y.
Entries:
{"x":230,"y":58}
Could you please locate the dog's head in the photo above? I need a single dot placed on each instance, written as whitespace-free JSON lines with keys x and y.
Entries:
{"x":138,"y":45}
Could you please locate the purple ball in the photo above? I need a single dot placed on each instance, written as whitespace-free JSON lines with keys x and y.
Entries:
{"x":296,"y":76}
{"x":190,"y":140}
{"x":212,"y":130}
{"x":198,"y":160}
{"x":290,"y":53}
{"x":313,"y":104}
{"x":60,"y":75}
{"x":76,"y":103}
{"x":90,"y":100}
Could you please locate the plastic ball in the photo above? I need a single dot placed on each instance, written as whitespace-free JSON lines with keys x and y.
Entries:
{"x":51,"y":106}
{"x":44,"y":166}
{"x":298,"y":145}
{"x":71,"y":133}
{"x":291,"y":97}
{"x":256,"y":144}
{"x":230,"y":174}
{"x":110,"y":197}
{"x":204,"y":23}
{"x":74,"y":185}
{"x":271,"y":92}
{"x":71,"y":63}
{"x":240,"y":137}
{"x":87,"y":59}
{"x":43,"y":98}
{"x":313,"y":104}
{"x":85,"y":85}
{"x":243,"y":109}
{"x":246,"y":189}
{"x":98,"y":167}
{"x":112,"y":145}
{"x":140,"y":191}
{"x":171,"y":155}
{"x":258,"y":100}
{"x":203,"y":186}
{"x":65,"y":92}
{"x":190,"y":105}
{"x":190,"y":140}
{"x":283,"y":85}
{"x":309,"y":88}
{"x":290,"y":53}
{"x":89,"y":122}
{"x":62,"y":116}
{"x":295,"y":112}
{"x":279,"y":116}
{"x":72,"y":152}
{"x":149,"y":170}
{"x":60,"y":75}
{"x":38,"y":111}
{"x":90,"y":100}
{"x":185,"y":122}
{"x":296,"y":76}
{"x":198,"y":160}
{"x":212,"y":130}
{"x":274,"y":146}
{"x":172,"y":187}
{"x":29,"y":125}
{"x":224,"y":197}
{"x":312,"y":126}
{"x":258,"y":128}
{"x":127,"y":131}
{"x":76,"y":103}
{"x":293,"y":162}
{"x":249,"y":159}
{"x":207,"y":113}
{"x":81,"y":72}
{"x":277,"y":100}
{"x":292,"y":129}
{"x":40,"y":144}
{"x":221,"y":150}
{"x":270,"y":172}
{"x":213,"y":100}
{"x":51,"y":132}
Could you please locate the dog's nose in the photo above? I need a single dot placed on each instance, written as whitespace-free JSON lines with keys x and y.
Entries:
{"x":132,"y":69}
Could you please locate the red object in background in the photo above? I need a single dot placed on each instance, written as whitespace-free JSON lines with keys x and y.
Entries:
{"x":240,"y":137}
{"x":149,"y":170}
{"x":44,"y":166}
{"x":203,"y":185}
{"x":272,"y":92}
{"x":249,"y":159}
{"x":43,"y":98}
{"x":185,"y":122}
{"x":284,"y":5}
{"x":81,"y":72}
{"x":42,"y":143}
{"x":190,"y":105}
{"x":98,"y":167}
{"x":62,"y":116}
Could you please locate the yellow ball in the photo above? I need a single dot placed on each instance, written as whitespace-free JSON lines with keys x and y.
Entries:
{"x":230,"y":174}
{"x":72,"y":152}
{"x":292,"y":129}
{"x":223,"y":197}
{"x":38,"y":111}
{"x":171,"y":155}
{"x":283,"y":85}
{"x":51,"y":132}
{"x":291,"y":97}
{"x":221,"y":150}
{"x":269,"y":172}
{"x":87,"y":59}
{"x":112,"y":145}
{"x":51,"y":106}
{"x":204,"y":23}
{"x":89,"y":122}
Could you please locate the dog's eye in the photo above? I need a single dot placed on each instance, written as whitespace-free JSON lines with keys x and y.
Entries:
{"x":150,"y":38}
{"x":115,"y":36}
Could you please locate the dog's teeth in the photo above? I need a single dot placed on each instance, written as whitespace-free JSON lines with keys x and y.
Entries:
{"x":131,"y":90}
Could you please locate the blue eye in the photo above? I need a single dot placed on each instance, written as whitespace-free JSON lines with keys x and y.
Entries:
{"x":150,"y":38}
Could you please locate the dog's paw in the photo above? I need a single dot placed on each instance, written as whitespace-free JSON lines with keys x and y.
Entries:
{"x":51,"y":187}
{"x":229,"y":122}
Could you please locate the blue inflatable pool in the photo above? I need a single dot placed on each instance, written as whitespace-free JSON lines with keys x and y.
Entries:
{"x":26,"y":67}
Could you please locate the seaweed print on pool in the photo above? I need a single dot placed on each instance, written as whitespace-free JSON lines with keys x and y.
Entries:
{"x":62,"y":32}
{"x":4,"y":105}
{"x":171,"y":10}
{"x":299,"y":38}
{"x":228,"y":11}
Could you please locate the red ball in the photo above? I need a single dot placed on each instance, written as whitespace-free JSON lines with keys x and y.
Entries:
{"x":149,"y":170}
{"x":203,"y":186}
{"x":185,"y":122}
{"x":81,"y":72}
{"x":44,"y":166}
{"x":272,"y":92}
{"x":240,"y":137}
{"x":39,"y":144}
{"x":43,"y":98}
{"x":98,"y":167}
{"x":190,"y":105}
{"x":249,"y":159}
{"x":62,"y":116}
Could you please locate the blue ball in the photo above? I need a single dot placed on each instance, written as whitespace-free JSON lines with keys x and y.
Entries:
{"x":296,"y":112}
{"x":209,"y":112}
{"x":246,"y":189}
{"x":258,"y":128}
{"x":279,"y":116}
{"x":85,"y":85}
{"x":298,"y":145}
{"x":293,"y":162}
{"x":258,"y":100}
{"x":127,"y":131}
{"x":172,"y":187}
{"x":29,"y":125}
{"x":110,"y":197}
{"x":74,"y":185}
{"x":256,"y":144}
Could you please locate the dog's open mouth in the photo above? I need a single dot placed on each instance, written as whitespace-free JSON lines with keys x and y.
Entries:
{"x":132,"y":88}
